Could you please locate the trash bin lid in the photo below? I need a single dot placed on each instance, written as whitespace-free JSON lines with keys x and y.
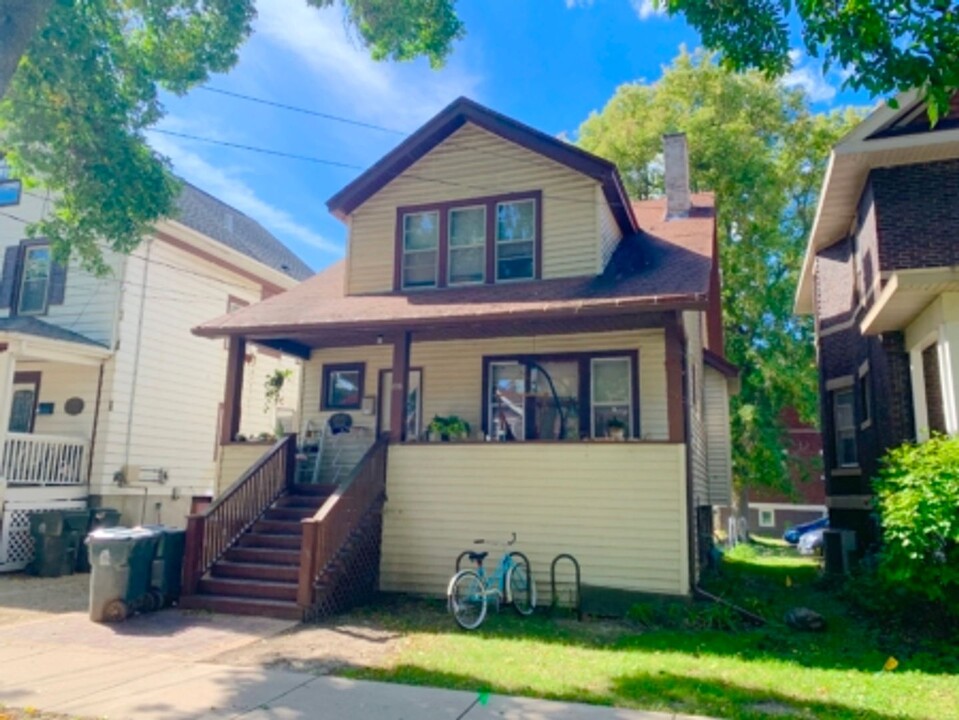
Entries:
{"x":120,"y":533}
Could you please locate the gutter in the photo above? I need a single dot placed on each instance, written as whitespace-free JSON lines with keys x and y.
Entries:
{"x":690,"y":511}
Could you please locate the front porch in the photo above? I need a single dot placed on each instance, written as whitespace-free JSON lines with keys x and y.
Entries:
{"x":49,"y":395}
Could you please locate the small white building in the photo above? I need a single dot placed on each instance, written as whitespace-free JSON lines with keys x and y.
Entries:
{"x":105,"y":395}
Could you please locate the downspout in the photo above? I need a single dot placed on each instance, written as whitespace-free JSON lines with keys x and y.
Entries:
{"x":96,"y":421}
{"x":136,"y":372}
{"x":687,"y":436}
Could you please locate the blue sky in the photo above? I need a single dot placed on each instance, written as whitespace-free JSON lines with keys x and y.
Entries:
{"x":548,"y":63}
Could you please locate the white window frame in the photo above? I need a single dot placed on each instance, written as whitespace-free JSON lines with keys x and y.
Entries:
{"x":450,"y":248}
{"x":772,"y":518}
{"x":405,"y":252}
{"x":23,"y":279}
{"x":630,"y":370}
{"x":497,"y":242}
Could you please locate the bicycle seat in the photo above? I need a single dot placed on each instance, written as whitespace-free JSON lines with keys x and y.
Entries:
{"x":477,"y":557}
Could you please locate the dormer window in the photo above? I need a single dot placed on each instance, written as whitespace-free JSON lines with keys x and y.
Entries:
{"x":469,"y":242}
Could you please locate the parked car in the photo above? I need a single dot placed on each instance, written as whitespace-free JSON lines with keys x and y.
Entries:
{"x":811,"y":542}
{"x":793,"y":534}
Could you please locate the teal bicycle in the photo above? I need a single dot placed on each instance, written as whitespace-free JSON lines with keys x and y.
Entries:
{"x":470,"y":591}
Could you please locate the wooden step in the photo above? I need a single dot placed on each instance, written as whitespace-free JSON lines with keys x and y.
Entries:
{"x":280,"y":527}
{"x":289,"y":513}
{"x":267,"y":556}
{"x":280,"y":609}
{"x":256,"y":571}
{"x":313,"y":502}
{"x":233,"y":587}
{"x":311,"y":489}
{"x":271,"y":540}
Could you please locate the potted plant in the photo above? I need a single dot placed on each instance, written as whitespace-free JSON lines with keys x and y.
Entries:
{"x":448,"y":428}
{"x":616,"y":429}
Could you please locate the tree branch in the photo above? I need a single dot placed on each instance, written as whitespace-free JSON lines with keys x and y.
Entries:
{"x":19,"y":22}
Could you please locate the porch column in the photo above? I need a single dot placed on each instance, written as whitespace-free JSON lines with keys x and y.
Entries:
{"x":8,"y":366}
{"x":233,"y":390}
{"x":400,"y":389}
{"x":675,"y":394}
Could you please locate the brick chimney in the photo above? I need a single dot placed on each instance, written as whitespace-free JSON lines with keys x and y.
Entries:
{"x":676,"y":164}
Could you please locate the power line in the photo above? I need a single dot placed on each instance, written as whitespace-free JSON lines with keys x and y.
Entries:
{"x":301,"y":110}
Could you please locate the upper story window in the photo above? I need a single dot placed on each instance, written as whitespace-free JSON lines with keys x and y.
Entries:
{"x":469,"y":242}
{"x":34,"y":280}
{"x":844,"y":428}
{"x":9,"y":187}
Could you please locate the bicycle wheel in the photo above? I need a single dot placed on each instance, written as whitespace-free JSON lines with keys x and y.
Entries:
{"x":466,"y":597}
{"x":522,"y":588}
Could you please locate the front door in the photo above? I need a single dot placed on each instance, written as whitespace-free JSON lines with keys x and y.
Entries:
{"x":414,"y":403}
{"x":22,"y":407}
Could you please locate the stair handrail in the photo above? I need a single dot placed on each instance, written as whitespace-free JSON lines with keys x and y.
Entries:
{"x":214,"y":531}
{"x":325,"y":534}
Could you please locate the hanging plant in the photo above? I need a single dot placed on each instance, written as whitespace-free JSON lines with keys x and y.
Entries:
{"x":274,"y":386}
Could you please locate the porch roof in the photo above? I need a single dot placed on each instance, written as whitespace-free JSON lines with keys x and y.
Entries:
{"x":43,"y":340}
{"x":664,"y":267}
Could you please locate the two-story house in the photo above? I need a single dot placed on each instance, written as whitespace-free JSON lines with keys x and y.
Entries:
{"x":500,"y":276}
{"x":881,"y":276}
{"x":105,"y":394}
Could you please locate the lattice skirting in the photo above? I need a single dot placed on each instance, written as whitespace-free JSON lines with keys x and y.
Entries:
{"x":16,"y":543}
{"x":354,"y":576}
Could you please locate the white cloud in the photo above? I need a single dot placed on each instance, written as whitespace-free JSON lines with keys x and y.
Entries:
{"x":647,"y":8}
{"x":223,"y":184}
{"x":578,"y":3}
{"x":395,"y":95}
{"x":809,"y":78}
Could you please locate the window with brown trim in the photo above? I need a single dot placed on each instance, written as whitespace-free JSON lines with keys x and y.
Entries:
{"x":561,"y":396}
{"x":343,"y":386}
{"x":469,"y":242}
{"x":844,"y":427}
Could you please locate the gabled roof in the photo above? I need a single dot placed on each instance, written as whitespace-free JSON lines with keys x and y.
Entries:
{"x":212,"y":217}
{"x":666,"y":266}
{"x":887,"y":137}
{"x":452,"y":118}
{"x":29,"y":325}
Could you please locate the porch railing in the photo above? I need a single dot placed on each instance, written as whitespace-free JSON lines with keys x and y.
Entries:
{"x":210,"y":534}
{"x":42,"y":460}
{"x":325,"y":534}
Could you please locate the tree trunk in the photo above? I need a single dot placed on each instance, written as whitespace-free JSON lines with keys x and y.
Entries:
{"x":740,"y":510}
{"x":19,"y":22}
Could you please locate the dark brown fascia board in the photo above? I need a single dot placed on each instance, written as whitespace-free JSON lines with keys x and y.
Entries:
{"x":719,"y":363}
{"x":453,"y":117}
{"x":693,"y":301}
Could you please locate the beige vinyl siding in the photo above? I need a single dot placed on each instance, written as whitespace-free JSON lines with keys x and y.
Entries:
{"x":718,"y":441}
{"x":168,"y":380}
{"x":257,"y":416}
{"x":236,"y":459}
{"x":619,"y":508}
{"x":89,"y":303}
{"x":695,"y":382}
{"x":609,"y":232}
{"x":474,"y":163}
{"x":58,"y":383}
{"x":453,"y":373}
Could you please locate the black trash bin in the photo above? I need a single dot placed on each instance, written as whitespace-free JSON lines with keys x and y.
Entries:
{"x":167,"y":569}
{"x":121,"y":562}
{"x":56,"y":541}
{"x":96,"y":518}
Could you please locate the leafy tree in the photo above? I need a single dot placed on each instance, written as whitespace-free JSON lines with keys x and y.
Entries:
{"x":79,"y":84}
{"x":759,"y":148}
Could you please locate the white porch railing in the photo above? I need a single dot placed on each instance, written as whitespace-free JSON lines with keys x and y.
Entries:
{"x":43,"y":460}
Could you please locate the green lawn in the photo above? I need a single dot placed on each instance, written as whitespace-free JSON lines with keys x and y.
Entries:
{"x":677,"y":660}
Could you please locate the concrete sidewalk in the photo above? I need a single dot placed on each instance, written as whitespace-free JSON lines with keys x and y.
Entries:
{"x":145,"y":686}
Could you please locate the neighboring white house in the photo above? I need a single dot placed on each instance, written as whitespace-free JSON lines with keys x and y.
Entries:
{"x":105,"y":395}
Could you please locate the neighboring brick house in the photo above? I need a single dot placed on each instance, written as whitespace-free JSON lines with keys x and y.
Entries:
{"x":881,"y":275}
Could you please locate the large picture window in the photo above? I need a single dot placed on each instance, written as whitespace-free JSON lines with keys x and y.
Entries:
{"x":561,"y":397}
{"x":844,"y":427}
{"x":469,"y":242}
{"x":34,"y":280}
{"x":342,"y":387}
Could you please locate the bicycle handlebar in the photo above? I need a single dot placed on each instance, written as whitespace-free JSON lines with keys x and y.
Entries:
{"x":481,"y":541}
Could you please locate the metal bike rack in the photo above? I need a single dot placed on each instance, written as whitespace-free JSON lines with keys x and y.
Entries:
{"x":579,"y":590}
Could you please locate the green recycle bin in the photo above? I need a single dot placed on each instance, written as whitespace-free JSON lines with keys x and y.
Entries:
{"x":56,"y":541}
{"x":167,"y":569}
{"x":121,"y":562}
{"x":96,"y":518}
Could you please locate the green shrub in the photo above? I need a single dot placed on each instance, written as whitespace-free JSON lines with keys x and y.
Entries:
{"x":917,"y":495}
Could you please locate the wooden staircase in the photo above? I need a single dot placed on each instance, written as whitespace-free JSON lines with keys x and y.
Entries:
{"x":272,"y":547}
{"x":259,"y":574}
